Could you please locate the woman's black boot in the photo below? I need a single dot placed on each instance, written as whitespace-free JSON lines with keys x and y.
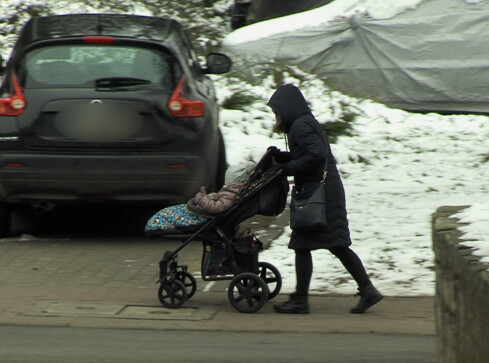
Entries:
{"x":369,"y":296}
{"x":297,"y":304}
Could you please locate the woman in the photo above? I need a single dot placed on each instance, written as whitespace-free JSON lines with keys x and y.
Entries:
{"x":309,"y":150}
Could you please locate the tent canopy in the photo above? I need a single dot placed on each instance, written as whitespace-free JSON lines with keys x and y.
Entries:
{"x":431,"y":57}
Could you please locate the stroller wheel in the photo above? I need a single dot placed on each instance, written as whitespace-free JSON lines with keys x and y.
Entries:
{"x":247,"y":292}
{"x":188,"y":280}
{"x":271,"y":275}
{"x":172,"y":293}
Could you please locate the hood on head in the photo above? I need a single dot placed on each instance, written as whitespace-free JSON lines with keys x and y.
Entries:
{"x":288,"y":103}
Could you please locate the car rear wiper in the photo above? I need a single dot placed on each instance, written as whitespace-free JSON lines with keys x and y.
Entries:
{"x":117,"y":82}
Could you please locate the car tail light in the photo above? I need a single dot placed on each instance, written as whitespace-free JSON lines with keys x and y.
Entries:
{"x":182,"y":107}
{"x":177,"y":166}
{"x":13,"y":164}
{"x":14,"y":104}
{"x":98,"y":39}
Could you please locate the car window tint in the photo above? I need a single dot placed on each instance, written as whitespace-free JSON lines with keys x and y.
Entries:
{"x":80,"y":65}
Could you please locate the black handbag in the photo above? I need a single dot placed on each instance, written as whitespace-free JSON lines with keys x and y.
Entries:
{"x":308,"y":208}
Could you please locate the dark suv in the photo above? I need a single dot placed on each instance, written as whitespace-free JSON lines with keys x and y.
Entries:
{"x":107,"y":108}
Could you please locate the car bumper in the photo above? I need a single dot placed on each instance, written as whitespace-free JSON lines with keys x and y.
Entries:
{"x":27,"y":178}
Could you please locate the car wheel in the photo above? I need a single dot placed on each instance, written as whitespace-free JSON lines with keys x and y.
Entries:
{"x":5,"y":219}
{"x":221,"y":164}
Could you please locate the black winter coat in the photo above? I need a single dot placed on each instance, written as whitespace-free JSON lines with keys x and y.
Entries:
{"x":309,"y":149}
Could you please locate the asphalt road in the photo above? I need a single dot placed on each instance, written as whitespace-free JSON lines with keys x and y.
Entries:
{"x":61,"y":345}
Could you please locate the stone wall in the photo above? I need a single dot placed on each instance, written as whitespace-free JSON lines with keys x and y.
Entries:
{"x":462,"y":294}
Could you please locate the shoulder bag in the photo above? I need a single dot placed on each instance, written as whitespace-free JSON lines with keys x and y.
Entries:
{"x":308,"y":207}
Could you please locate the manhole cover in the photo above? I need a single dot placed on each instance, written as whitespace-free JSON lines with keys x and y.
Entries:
{"x":94,"y":309}
{"x":156,"y":312}
{"x":82,"y":308}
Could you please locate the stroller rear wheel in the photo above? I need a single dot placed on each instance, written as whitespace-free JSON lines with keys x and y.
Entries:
{"x":172,"y":293}
{"x":272,"y":277}
{"x":247,"y":292}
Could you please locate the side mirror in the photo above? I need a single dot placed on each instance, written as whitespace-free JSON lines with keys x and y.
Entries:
{"x":217,"y":63}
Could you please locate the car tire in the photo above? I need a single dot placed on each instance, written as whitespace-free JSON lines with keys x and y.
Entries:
{"x":221,"y":164}
{"x":5,"y":220}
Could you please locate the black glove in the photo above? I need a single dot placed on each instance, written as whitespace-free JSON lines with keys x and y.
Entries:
{"x":273,"y":150}
{"x":279,"y":157}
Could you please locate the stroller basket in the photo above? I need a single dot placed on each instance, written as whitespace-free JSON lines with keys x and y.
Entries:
{"x":216,"y":264}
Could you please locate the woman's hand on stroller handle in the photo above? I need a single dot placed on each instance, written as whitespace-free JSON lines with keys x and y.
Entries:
{"x":279,"y":157}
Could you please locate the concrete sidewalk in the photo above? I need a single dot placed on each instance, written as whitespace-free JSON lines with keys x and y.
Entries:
{"x":110,"y":283}
{"x":140,"y":309}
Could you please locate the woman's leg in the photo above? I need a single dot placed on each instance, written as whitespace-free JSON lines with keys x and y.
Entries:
{"x":303,"y":271}
{"x":353,"y":265}
{"x":369,"y":295}
{"x":298,"y":300}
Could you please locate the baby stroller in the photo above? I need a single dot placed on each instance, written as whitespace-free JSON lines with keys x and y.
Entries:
{"x":229,"y":252}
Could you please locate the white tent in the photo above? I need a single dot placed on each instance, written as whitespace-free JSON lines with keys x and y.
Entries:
{"x":418,"y":55}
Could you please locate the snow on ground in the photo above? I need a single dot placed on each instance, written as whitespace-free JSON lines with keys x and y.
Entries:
{"x":476,"y":233}
{"x":397,"y":170}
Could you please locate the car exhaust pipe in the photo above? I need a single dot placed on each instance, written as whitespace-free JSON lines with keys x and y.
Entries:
{"x":43,"y":206}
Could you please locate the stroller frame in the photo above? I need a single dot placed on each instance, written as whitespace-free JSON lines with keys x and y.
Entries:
{"x":251,"y":286}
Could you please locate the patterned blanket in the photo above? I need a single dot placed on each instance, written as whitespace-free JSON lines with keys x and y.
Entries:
{"x":175,"y":219}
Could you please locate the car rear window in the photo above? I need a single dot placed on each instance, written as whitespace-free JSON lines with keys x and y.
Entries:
{"x":80,"y":65}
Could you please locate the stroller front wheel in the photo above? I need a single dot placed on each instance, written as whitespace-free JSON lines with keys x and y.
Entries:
{"x":188,"y":280}
{"x":247,"y":292}
{"x":172,"y":293}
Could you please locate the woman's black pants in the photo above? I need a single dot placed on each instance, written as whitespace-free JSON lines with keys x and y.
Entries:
{"x":349,"y":259}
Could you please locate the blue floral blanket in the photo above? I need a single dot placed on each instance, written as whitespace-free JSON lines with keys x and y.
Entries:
{"x":177,"y":219}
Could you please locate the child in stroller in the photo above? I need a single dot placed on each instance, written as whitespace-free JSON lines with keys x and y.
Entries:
{"x":229,"y":253}
{"x":185,"y":218}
